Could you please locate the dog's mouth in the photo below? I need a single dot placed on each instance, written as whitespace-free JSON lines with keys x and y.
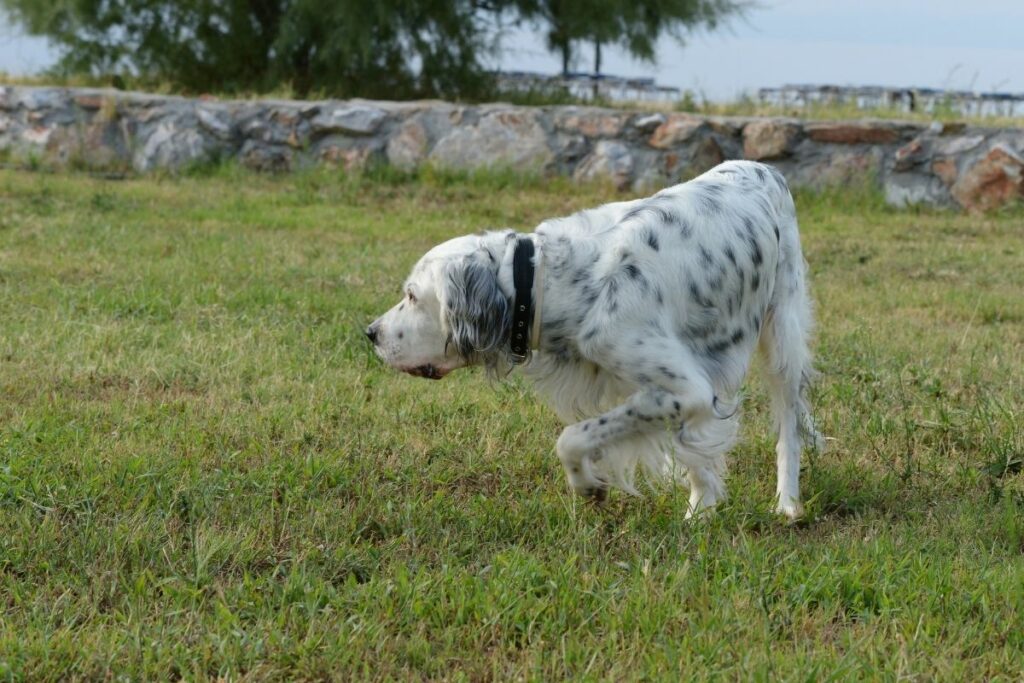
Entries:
{"x":427,"y":371}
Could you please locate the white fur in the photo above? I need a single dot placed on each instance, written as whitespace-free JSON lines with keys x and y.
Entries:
{"x":652,"y":311}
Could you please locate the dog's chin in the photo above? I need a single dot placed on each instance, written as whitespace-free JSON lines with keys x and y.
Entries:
{"x":427,"y":371}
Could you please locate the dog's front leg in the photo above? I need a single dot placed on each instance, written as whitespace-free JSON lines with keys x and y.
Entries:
{"x":580,"y":445}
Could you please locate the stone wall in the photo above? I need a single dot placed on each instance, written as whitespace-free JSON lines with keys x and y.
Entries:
{"x":940,"y":165}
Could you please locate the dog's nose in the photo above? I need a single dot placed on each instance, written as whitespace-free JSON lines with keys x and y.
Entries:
{"x":371,"y":334}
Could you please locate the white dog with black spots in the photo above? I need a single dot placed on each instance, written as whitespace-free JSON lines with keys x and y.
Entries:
{"x":651,"y":313}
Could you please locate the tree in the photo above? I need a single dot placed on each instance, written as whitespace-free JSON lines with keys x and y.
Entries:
{"x":380,"y":48}
{"x":635,"y":25}
{"x":384,"y":48}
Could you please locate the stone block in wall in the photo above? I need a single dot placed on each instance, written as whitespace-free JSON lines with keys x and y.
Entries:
{"x":769,"y":139}
{"x":273,"y":126}
{"x":706,"y":154}
{"x":914,"y":153}
{"x":41,"y":99}
{"x":407,"y":147}
{"x":172,"y":145}
{"x":994,"y":180}
{"x":945,"y":169}
{"x":107,"y":144}
{"x":854,"y":132}
{"x":835,"y":166}
{"x":648,"y":123}
{"x":217,"y":120}
{"x":611,"y":160}
{"x":355,"y":119}
{"x":352,"y":156}
{"x":511,"y":138}
{"x":676,"y":130}
{"x":590,"y":122}
{"x":958,"y":145}
{"x":267,"y":157}
{"x":912,"y":189}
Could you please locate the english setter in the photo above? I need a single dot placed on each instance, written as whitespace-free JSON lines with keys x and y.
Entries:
{"x":642,"y":318}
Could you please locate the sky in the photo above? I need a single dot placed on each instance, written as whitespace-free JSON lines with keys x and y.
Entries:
{"x":970,"y":45}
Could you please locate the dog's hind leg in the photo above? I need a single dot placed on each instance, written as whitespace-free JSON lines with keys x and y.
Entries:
{"x":788,"y":371}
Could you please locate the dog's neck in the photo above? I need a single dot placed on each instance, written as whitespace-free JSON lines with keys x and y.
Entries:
{"x":521,"y":276}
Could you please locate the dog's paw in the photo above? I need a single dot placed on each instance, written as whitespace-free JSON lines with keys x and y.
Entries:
{"x":792,"y":510}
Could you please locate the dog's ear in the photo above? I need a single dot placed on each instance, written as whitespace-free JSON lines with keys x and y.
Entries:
{"x":474,"y":310}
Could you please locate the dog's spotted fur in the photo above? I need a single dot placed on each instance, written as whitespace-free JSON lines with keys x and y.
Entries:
{"x":652,"y":311}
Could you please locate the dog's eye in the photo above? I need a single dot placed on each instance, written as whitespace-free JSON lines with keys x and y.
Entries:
{"x":411,"y":296}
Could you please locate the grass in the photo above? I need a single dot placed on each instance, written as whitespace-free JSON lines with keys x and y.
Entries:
{"x":204,"y":473}
{"x":844,"y":111}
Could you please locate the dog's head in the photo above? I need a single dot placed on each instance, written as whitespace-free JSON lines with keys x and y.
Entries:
{"x":454,"y":311}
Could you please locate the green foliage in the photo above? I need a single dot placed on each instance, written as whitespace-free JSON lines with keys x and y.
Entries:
{"x":206,"y":474}
{"x":387,"y":48}
{"x":390,"y":49}
{"x":634,"y":25}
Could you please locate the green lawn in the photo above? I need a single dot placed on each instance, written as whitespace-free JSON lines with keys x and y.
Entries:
{"x":205,"y":473}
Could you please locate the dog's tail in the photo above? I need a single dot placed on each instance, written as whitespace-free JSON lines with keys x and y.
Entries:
{"x":785,"y":335}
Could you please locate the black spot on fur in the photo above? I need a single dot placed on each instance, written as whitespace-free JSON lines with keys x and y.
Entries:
{"x":755,"y":253}
{"x":698,"y":296}
{"x":665,"y":371}
{"x":603,"y":421}
{"x":685,"y":230}
{"x":736,"y":337}
{"x":699,"y":331}
{"x":643,"y":379}
{"x":706,"y":259}
{"x":654,"y":207}
{"x":401,"y":335}
{"x":652,"y":240}
{"x":730,"y":254}
{"x":658,"y":297}
{"x":718,"y":347}
{"x":755,"y":282}
{"x":760,"y":173}
{"x":586,"y":426}
{"x":777,"y":235}
{"x":632,"y":271}
{"x":709,"y":204}
{"x":675,"y":404}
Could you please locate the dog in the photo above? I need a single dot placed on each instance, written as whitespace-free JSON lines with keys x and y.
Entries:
{"x":637,"y":321}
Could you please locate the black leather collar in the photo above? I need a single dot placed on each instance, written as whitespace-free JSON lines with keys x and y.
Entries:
{"x":522,"y":307}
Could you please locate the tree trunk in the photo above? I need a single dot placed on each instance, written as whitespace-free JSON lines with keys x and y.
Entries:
{"x":597,"y":68}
